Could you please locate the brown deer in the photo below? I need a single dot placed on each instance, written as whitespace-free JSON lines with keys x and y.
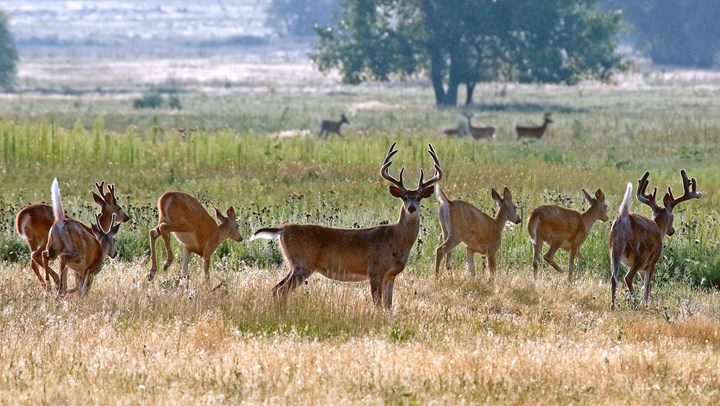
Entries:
{"x":565,"y":229}
{"x":184,"y":217}
{"x":478,"y":133}
{"x":636,"y":241}
{"x":533,"y":132}
{"x":77,"y":246}
{"x":462,"y":222}
{"x":328,"y":127}
{"x":353,"y":255}
{"x":33,"y":223}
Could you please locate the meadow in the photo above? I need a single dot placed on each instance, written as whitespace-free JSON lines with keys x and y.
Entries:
{"x":448,"y":340}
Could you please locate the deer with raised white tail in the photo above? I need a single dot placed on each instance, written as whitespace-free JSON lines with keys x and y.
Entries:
{"x":562,"y":228}
{"x":183,"y":216}
{"x":637,"y":241}
{"x":478,"y":133}
{"x":328,"y":127}
{"x":533,"y":132}
{"x":377,"y":254}
{"x":77,"y":246}
{"x":461,"y":222}
{"x":33,"y":223}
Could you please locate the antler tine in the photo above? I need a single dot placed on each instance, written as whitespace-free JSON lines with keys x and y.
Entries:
{"x":111,"y":188}
{"x":101,"y":188}
{"x":386,"y":164}
{"x":689,"y":190}
{"x":642,"y":196}
{"x":438,"y":171}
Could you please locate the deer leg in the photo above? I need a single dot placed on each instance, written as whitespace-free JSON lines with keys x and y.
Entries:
{"x":549,"y":258}
{"x":154,"y":233}
{"x":629,"y":278}
{"x":537,"y":252}
{"x":572,"y":254}
{"x":470,"y":260}
{"x":447,"y":246}
{"x":35,"y":260}
{"x":492,"y":264}
{"x":615,"y":255}
{"x":388,"y":286}
{"x":647,"y":284}
{"x":294,"y":278}
{"x":579,"y":264}
{"x":62,"y":286}
{"x":185,"y":263}
{"x":376,"y":288}
{"x":206,"y":266}
{"x":46,"y":255}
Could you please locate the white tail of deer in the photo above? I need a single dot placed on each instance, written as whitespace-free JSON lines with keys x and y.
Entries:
{"x":637,"y":241}
{"x":533,"y":132}
{"x":328,"y":127}
{"x":462,"y":222}
{"x":378,"y":253}
{"x":77,"y":246}
{"x":184,"y":217}
{"x":33,"y":224}
{"x":478,"y":132}
{"x":562,"y":228}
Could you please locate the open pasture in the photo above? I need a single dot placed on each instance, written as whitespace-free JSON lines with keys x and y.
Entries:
{"x":454,"y":339}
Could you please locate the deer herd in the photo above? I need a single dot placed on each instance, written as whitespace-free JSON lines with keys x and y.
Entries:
{"x":377,"y":254}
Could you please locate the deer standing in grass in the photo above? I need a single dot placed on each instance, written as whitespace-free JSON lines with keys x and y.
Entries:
{"x":353,"y":255}
{"x":77,"y":246}
{"x":33,"y":223}
{"x":478,"y":133}
{"x":636,"y":241}
{"x":565,"y":229}
{"x":462,"y":222}
{"x":328,"y":127}
{"x":184,"y":217}
{"x":533,"y":132}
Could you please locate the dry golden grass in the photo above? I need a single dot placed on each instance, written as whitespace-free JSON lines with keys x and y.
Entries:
{"x":452,"y":340}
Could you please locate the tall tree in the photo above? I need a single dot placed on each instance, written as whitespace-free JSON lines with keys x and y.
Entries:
{"x":8,"y":53}
{"x":458,"y":42}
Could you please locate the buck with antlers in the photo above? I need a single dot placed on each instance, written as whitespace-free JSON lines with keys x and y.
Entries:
{"x":77,"y":246}
{"x":328,"y":127}
{"x":353,"y":255}
{"x":184,"y":217}
{"x":636,"y":241}
{"x":478,"y":133}
{"x":33,"y":223}
{"x":533,"y":132}
{"x":462,"y":222}
{"x":565,"y":229}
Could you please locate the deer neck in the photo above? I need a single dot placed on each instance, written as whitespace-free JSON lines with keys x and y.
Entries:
{"x":501,"y":217}
{"x":408,"y":226}
{"x":589,"y":218}
{"x":214,"y":239}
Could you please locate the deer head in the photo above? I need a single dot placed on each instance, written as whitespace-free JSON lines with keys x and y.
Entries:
{"x":411,"y":198}
{"x":663,"y":216}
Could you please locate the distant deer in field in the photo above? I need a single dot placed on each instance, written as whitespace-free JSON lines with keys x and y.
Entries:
{"x":184,"y":217}
{"x":533,"y":132}
{"x":565,"y":229}
{"x":462,"y":222}
{"x":478,"y":132}
{"x":636,"y":241}
{"x":353,"y":255}
{"x":77,"y":246}
{"x":33,"y":223}
{"x":328,"y":127}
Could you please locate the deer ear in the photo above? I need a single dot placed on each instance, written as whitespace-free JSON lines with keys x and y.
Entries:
{"x":219,"y":215}
{"x":667,"y":200}
{"x":587,"y":196}
{"x":114,"y":229}
{"x":599,"y":195}
{"x":427,"y":192}
{"x":495,"y":196}
{"x":98,"y":199}
{"x":395,"y":191}
{"x":231,"y":212}
{"x":95,"y":229}
{"x":506,"y":194}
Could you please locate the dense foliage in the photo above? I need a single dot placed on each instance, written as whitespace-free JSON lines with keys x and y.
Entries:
{"x":8,"y":53}
{"x":469,"y":41}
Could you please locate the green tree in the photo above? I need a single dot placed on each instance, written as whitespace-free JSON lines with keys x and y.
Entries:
{"x":8,"y":53}
{"x":458,"y":42}
{"x":299,"y":17}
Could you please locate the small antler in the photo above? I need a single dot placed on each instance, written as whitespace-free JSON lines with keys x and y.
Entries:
{"x":386,"y":164}
{"x":111,"y":188}
{"x":642,"y":196}
{"x":689,"y":188}
{"x":438,"y":172}
{"x":101,"y":188}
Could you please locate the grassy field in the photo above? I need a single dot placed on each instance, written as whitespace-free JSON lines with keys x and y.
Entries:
{"x":451,"y":340}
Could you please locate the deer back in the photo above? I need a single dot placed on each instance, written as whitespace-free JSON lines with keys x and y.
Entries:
{"x":73,"y":236}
